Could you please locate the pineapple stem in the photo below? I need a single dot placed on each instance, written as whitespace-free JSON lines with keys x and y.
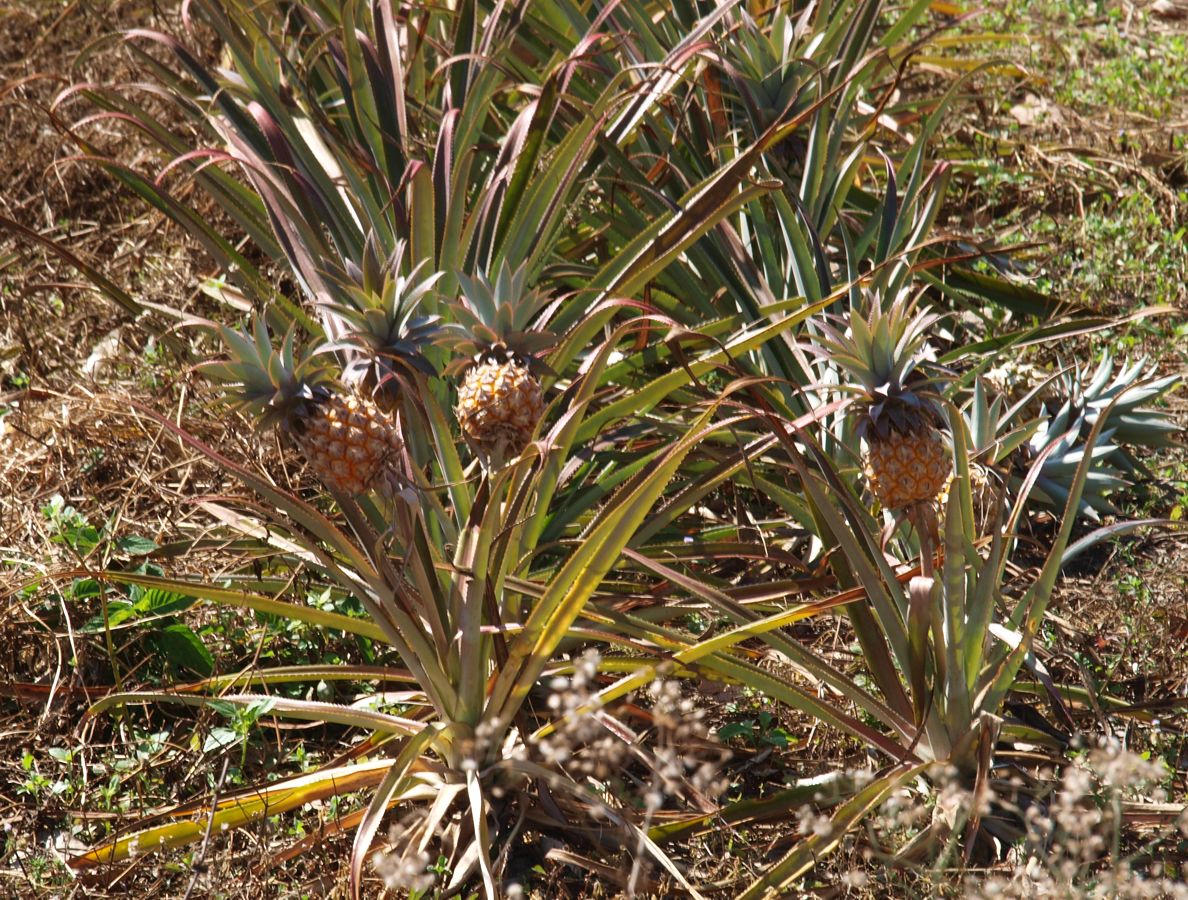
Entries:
{"x":922,"y":516}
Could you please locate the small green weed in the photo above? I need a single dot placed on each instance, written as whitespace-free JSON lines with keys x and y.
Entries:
{"x":1110,"y":55}
{"x":241,"y":722}
{"x":761,"y":731}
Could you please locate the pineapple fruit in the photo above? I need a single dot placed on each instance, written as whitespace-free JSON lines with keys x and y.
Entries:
{"x":899,"y":415}
{"x":351,"y":444}
{"x":984,"y":486}
{"x":500,"y":399}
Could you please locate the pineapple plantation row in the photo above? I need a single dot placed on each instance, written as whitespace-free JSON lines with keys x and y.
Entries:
{"x":600,"y":360}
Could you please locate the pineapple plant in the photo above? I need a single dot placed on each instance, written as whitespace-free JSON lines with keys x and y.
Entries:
{"x":1071,"y":404}
{"x":899,"y":414}
{"x":350,"y":442}
{"x":1012,"y":425}
{"x":495,"y":332}
{"x":773,"y":76}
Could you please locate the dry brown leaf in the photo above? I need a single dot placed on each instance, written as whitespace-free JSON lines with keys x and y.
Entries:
{"x":1036,"y":110}
{"x":1170,"y":9}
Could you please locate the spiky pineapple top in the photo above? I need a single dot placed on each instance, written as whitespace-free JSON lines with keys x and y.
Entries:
{"x":496,"y":322}
{"x":273,"y":386}
{"x":769,"y":70}
{"x":882,"y":352}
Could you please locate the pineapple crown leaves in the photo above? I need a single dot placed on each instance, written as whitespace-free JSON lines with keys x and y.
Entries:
{"x":1130,"y":390}
{"x":1065,"y":423}
{"x":1128,"y":422}
{"x":994,"y":434}
{"x":883,"y":352}
{"x":498,"y":318}
{"x":272,"y":385}
{"x":382,"y":315}
{"x":766,"y":69}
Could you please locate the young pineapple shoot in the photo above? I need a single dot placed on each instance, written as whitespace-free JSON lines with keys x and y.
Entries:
{"x":898,"y":411}
{"x":351,"y":444}
{"x":500,"y":400}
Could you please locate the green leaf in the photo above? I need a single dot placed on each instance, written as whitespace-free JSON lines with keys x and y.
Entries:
{"x":221,"y":737}
{"x":743,"y":729}
{"x":117,"y":611}
{"x":134,"y":545}
{"x":283,"y":707}
{"x":183,"y":648}
{"x":190,"y":822}
{"x":244,"y":600}
{"x":157,"y":602}
{"x":583,"y":572}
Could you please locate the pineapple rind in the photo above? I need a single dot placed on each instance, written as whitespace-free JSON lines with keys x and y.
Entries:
{"x":906,"y":469}
{"x":500,"y":402}
{"x":351,"y":443}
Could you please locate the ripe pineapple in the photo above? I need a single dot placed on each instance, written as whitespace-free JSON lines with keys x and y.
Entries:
{"x":500,"y":399}
{"x":350,"y":442}
{"x":899,"y":416}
